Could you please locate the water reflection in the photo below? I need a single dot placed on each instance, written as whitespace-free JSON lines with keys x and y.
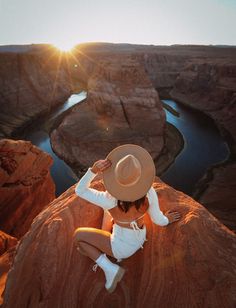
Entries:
{"x":72,"y":100}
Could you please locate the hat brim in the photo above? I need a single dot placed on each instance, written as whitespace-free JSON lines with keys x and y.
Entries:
{"x":141,"y":187}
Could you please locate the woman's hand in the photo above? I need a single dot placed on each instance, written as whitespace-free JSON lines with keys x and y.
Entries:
{"x":101,"y":165}
{"x":172,"y":216}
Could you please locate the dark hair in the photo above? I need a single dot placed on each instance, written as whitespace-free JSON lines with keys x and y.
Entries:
{"x":126,"y":205}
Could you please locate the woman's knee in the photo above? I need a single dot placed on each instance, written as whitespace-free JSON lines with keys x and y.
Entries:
{"x":78,"y":235}
{"x":81,"y":247}
{"x":77,"y":238}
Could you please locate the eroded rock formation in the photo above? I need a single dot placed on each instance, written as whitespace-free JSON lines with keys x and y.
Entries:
{"x":5,"y":264}
{"x":31,"y":84}
{"x":6,"y":242}
{"x":7,"y":251}
{"x":191,"y":263}
{"x":122,"y":107}
{"x":26,"y":186}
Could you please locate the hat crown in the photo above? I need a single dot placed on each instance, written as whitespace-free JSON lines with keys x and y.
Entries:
{"x":131,"y":174}
{"x":128,"y":170}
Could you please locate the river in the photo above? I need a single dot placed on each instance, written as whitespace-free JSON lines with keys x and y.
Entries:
{"x":203,"y":147}
{"x":62,"y":174}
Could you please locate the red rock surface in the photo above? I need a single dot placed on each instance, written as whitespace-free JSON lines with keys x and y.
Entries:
{"x":26,"y":186}
{"x":7,"y":250}
{"x":6,"y":242}
{"x":5,"y":264}
{"x":122,"y":107}
{"x":187,"y":264}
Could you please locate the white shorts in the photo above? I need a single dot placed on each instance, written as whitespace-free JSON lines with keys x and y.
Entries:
{"x":125,"y":242}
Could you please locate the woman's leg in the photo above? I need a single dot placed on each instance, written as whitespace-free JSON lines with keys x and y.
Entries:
{"x":107,"y":221}
{"x":93,"y":242}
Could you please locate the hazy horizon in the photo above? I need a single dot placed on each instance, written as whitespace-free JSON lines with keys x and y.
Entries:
{"x":123,"y":43}
{"x":150,"y":22}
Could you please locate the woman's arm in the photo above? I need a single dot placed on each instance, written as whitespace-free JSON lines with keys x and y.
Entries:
{"x":156,"y":214}
{"x":100,"y":198}
{"x":154,"y":210}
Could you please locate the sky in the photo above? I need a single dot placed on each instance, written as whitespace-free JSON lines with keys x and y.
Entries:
{"x":157,"y":22}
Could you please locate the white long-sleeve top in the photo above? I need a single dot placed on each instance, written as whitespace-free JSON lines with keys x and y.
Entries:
{"x":106,"y":201}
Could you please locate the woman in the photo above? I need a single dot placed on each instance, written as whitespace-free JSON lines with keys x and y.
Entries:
{"x":128,"y":173}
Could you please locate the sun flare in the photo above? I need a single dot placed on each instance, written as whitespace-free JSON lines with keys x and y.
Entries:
{"x":64,"y":46}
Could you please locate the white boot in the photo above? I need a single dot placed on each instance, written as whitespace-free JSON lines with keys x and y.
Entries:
{"x":113,"y":272}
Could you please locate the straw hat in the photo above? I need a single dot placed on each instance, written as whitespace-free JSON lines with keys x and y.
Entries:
{"x":131,"y":174}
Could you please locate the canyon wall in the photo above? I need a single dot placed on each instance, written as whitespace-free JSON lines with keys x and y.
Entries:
{"x":31,"y":84}
{"x":202,"y":77}
{"x":219,"y":196}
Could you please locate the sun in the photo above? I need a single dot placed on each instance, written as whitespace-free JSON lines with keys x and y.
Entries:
{"x":64,"y":46}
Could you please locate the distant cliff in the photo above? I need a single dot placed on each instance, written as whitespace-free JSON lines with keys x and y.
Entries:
{"x":35,"y":78}
{"x":202,"y":77}
{"x":31,"y":84}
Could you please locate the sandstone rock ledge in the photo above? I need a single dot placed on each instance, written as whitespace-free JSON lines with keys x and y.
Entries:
{"x":6,"y":242}
{"x":191,"y":263}
{"x":7,"y":250}
{"x":26,"y":186}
